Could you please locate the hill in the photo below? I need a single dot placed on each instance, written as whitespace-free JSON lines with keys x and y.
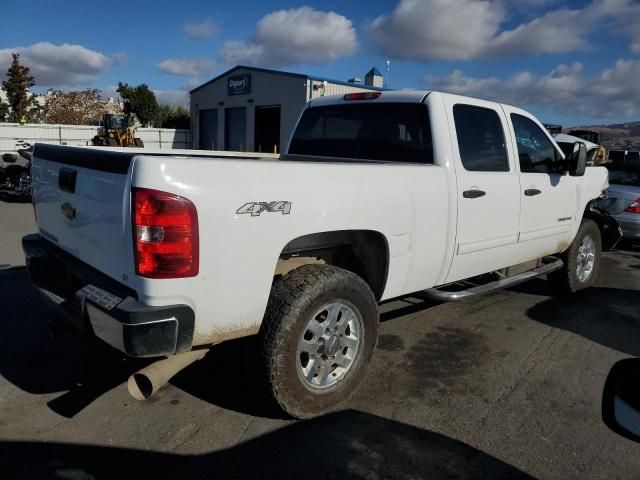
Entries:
{"x":617,"y":136}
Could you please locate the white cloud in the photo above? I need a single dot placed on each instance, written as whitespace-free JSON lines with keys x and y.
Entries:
{"x":610,"y":94}
{"x":437,"y":29}
{"x":629,"y":24}
{"x":204,"y":29}
{"x":471,"y":29}
{"x":60,"y":65}
{"x":559,"y":31}
{"x":175,"y":98}
{"x":187,"y":67}
{"x":290,"y":37}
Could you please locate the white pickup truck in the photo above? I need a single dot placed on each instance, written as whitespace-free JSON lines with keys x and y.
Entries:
{"x":379,"y":195}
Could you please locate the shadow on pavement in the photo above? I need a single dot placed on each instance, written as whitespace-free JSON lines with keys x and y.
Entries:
{"x":417,"y":302}
{"x":346,"y":444}
{"x":230,"y":377}
{"x":82,"y":369}
{"x":608,"y":316}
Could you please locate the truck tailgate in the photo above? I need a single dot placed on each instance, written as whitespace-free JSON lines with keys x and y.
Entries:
{"x":82,"y":204}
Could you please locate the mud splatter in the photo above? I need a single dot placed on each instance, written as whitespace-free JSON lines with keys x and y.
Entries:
{"x":390,"y":343}
{"x":441,"y":358}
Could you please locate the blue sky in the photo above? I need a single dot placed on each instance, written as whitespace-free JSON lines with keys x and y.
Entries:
{"x":569,"y":62}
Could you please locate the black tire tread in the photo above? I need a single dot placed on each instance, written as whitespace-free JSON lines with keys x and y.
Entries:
{"x":565,"y":279}
{"x":287,"y":294}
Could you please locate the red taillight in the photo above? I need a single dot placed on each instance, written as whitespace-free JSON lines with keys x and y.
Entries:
{"x":634,"y":207}
{"x":165,"y":234}
{"x":362,"y":96}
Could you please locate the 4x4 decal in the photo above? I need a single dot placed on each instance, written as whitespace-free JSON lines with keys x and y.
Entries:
{"x":256,"y":208}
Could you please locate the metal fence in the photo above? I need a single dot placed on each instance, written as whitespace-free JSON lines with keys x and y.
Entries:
{"x":631,"y":157}
{"x":10,"y":133}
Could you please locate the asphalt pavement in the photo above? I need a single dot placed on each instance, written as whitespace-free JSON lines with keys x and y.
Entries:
{"x":504,"y":386}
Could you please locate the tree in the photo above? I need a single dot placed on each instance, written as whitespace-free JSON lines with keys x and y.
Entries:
{"x":178,"y":118}
{"x":172,"y":117}
{"x":23,"y":104}
{"x":4,"y":111}
{"x":76,"y":107}
{"x":139,"y":100}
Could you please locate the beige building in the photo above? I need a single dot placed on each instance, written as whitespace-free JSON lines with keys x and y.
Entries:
{"x":255,"y":109}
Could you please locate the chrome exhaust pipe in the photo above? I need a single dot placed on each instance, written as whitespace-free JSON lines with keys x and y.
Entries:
{"x":144,"y":383}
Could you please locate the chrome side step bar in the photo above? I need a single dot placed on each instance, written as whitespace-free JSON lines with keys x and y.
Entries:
{"x":549,"y":264}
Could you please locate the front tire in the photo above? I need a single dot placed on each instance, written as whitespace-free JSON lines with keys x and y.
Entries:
{"x":318,"y":335}
{"x":581,"y":260}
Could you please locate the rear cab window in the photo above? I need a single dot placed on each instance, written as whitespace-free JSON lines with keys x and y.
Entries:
{"x":388,"y":132}
{"x":481,"y":139}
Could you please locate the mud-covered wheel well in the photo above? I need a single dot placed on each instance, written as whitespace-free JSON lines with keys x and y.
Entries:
{"x":363,"y":252}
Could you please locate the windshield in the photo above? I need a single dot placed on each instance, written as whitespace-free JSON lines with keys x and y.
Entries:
{"x":397,"y":132}
{"x":119,"y":122}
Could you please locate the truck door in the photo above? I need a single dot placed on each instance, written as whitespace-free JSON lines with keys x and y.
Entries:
{"x":549,"y":195}
{"x":488,"y":187}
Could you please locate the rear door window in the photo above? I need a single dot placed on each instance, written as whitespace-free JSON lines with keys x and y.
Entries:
{"x":393,"y":132}
{"x":481,"y":139}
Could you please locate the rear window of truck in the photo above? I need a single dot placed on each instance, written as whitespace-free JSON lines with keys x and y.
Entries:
{"x":393,"y":132}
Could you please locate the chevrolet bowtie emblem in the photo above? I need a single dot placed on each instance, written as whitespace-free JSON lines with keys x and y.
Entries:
{"x":68,"y":211}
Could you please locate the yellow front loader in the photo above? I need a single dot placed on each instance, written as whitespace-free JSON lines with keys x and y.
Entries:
{"x":118,"y":131}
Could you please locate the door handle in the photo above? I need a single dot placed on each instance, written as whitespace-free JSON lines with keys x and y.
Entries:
{"x":530,"y":192}
{"x":473,"y":193}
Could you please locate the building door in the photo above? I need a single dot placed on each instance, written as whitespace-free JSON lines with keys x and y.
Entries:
{"x":209,"y":129}
{"x":267,"y":129}
{"x":235,"y":129}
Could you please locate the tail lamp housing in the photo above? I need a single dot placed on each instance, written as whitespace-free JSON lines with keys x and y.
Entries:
{"x":634,"y":207}
{"x":165,"y":234}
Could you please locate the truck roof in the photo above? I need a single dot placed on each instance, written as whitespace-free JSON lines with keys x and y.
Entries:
{"x":393,"y":96}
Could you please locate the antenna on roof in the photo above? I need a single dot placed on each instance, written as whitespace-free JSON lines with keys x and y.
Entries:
{"x":386,"y":77}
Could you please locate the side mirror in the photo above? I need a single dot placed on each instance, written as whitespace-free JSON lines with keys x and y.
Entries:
{"x":578,"y":160}
{"x":621,"y":399}
{"x":9,"y":157}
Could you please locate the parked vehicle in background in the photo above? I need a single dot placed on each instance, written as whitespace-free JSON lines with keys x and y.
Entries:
{"x":15,"y":180}
{"x":379,"y":195}
{"x":592,"y":136}
{"x":623,"y":199}
{"x":596,"y":154}
{"x":118,"y":131}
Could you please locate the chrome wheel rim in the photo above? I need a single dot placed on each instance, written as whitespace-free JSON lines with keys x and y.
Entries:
{"x":329,"y":345}
{"x":586,"y":258}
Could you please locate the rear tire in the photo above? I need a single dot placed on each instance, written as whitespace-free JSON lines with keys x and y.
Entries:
{"x":581,"y":260}
{"x":318,"y":335}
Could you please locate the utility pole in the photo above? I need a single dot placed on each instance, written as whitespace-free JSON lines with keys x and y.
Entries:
{"x":386,"y":78}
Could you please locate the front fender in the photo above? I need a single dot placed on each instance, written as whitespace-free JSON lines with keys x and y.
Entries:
{"x":609,"y":227}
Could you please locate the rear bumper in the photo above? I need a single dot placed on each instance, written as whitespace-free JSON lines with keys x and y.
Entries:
{"x":110,"y":310}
